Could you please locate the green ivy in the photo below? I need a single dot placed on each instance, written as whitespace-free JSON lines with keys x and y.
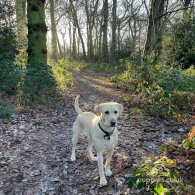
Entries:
{"x":157,"y":175}
{"x":188,"y":144}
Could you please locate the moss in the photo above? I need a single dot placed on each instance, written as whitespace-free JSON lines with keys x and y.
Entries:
{"x":37,"y":27}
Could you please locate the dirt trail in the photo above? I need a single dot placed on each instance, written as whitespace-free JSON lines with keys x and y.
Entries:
{"x":35,"y":145}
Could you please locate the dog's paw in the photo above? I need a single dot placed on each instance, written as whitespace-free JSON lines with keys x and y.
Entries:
{"x":103,"y":181}
{"x":108,"y":172}
{"x":72,"y":158}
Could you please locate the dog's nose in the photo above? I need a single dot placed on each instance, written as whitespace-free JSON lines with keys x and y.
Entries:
{"x":113,"y":124}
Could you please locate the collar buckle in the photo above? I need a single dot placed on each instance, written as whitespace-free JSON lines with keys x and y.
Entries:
{"x":107,"y":137}
{"x":107,"y":134}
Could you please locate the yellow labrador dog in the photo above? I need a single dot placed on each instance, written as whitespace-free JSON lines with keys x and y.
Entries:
{"x":101,"y":131}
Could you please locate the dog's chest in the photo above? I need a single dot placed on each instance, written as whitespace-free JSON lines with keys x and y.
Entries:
{"x":107,"y":144}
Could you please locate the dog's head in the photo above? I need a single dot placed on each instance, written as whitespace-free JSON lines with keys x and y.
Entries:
{"x":109,"y":113}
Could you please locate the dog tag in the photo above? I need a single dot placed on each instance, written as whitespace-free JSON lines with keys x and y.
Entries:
{"x":107,"y":137}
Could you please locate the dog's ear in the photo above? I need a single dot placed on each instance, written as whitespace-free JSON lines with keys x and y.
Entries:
{"x":98,"y":109}
{"x":120,"y":108}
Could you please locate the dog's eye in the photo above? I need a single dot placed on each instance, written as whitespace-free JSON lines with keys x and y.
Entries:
{"x":106,"y":112}
{"x":115,"y":112}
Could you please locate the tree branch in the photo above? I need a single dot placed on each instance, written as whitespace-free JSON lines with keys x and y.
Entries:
{"x":176,"y":10}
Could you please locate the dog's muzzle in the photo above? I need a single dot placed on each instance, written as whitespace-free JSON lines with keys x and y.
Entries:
{"x":112,"y":124}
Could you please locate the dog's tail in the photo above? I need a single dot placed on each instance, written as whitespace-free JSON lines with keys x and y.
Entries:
{"x":76,"y":105}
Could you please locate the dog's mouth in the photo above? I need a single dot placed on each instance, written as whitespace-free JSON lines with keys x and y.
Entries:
{"x":110,"y":126}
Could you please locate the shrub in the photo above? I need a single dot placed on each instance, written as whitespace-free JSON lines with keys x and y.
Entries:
{"x":62,"y":76}
{"x":167,"y":104}
{"x":171,"y":79}
{"x":6,"y":109}
{"x":157,"y":175}
{"x":179,"y":44}
{"x":9,"y":72}
{"x":172,"y":92}
{"x":167,"y":92}
{"x":130,"y":78}
{"x":10,"y":76}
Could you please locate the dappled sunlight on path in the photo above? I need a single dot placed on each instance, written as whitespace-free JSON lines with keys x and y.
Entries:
{"x":35,"y":154}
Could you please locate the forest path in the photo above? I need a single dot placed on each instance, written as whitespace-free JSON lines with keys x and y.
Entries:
{"x":35,"y":145}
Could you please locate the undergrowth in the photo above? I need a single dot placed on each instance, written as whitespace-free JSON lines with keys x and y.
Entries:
{"x":6,"y":109}
{"x":158,"y":175}
{"x":62,"y":74}
{"x":164,"y":91}
{"x":40,"y":91}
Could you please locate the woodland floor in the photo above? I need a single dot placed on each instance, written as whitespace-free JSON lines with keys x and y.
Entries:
{"x":35,"y":146}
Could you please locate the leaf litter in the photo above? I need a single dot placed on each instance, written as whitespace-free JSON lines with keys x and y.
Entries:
{"x":35,"y":146}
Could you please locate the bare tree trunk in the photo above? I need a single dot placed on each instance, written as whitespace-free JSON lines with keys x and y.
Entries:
{"x":70,"y":36}
{"x":21,"y":23}
{"x":59,"y":46}
{"x":96,"y":43}
{"x":91,"y":11}
{"x":155,"y":28}
{"x":113,"y":45}
{"x":118,"y":36}
{"x":74,"y":15}
{"x":100,"y":43}
{"x":105,"y":31}
{"x":139,"y":24}
{"x":133,"y":35}
{"x":89,"y":32}
{"x":78,"y":44}
{"x":64,"y":44}
{"x":91,"y":46}
{"x":54,"y":49}
{"x":74,"y":43}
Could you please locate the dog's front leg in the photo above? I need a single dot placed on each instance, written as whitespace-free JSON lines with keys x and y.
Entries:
{"x":103,"y":180}
{"x":108,"y":172}
{"x":90,"y":152}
